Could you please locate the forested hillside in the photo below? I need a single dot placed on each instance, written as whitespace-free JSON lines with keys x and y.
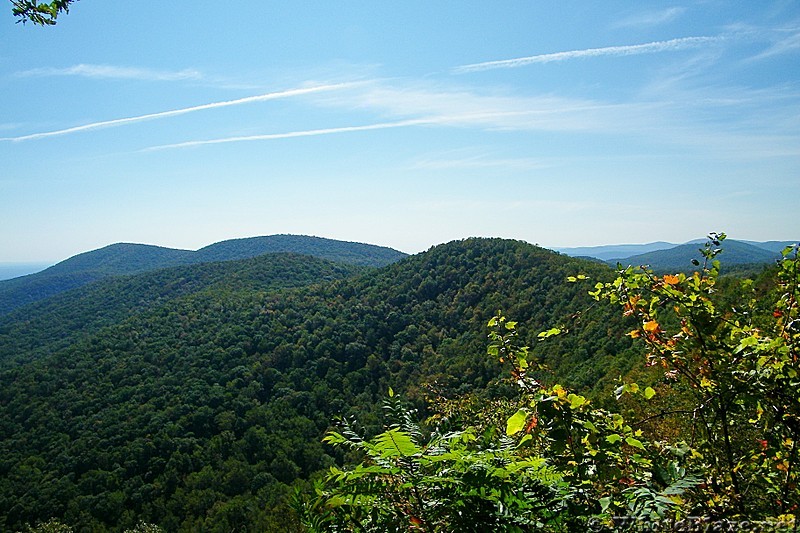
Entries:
{"x":701,"y":435}
{"x":199,"y":412}
{"x":123,"y":259}
{"x":44,"y":327}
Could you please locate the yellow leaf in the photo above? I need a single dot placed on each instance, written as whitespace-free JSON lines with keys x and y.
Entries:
{"x":706,"y":383}
{"x":652,"y":326}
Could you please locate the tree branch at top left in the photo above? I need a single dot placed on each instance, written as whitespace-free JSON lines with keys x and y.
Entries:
{"x":42,"y":14}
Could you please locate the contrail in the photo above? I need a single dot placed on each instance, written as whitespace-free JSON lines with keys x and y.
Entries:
{"x":182,"y":111}
{"x":305,"y":133}
{"x":446,"y":120}
{"x":634,"y":49}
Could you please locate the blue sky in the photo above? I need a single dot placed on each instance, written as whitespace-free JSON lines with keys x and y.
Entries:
{"x":406,"y":124}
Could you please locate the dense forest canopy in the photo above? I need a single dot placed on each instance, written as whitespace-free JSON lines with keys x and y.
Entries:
{"x":197,"y":397}
{"x":201,"y":410}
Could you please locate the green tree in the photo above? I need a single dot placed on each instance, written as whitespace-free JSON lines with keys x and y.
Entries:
{"x":733,"y":355}
{"x":43,"y":14}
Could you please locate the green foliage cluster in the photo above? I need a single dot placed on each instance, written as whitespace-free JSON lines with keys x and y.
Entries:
{"x":55,"y":526}
{"x":732,"y":361}
{"x":200,"y":412}
{"x":42,"y":14}
{"x":555,"y":463}
{"x":733,"y":358}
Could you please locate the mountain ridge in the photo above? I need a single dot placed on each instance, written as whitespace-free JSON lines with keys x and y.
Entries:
{"x":130,"y":258}
{"x":613,"y":253}
{"x":679,"y":258}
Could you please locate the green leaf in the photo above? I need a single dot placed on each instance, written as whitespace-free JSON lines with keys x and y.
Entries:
{"x":549,"y":333}
{"x":604,"y":503}
{"x":649,"y":392}
{"x":576,"y":401}
{"x":634,"y":443}
{"x":517,"y":421}
{"x":395,"y":443}
{"x":613,"y":438}
{"x":525,"y":439}
{"x":334,"y":438}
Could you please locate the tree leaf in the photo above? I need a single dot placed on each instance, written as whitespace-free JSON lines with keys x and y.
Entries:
{"x":516,"y":422}
{"x":630,"y":441}
{"x":395,"y":443}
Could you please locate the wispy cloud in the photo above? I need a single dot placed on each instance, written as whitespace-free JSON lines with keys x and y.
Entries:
{"x":466,"y":111}
{"x":114,"y":72}
{"x":730,"y":122}
{"x":672,"y":45}
{"x":293,"y":134}
{"x":418,"y":107}
{"x":182,"y":111}
{"x":459,"y":107}
{"x":651,"y":18}
{"x":787,"y":43}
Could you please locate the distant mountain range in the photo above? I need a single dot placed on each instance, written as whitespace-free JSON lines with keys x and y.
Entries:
{"x":124,"y":259}
{"x":608,"y":252}
{"x":668,"y":256}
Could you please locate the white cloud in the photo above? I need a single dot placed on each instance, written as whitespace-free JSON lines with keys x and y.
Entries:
{"x":672,"y":45}
{"x":458,"y":107}
{"x":651,"y":18}
{"x":182,"y":111}
{"x":403,"y":106}
{"x":114,"y":72}
{"x":292,"y":134}
{"x":786,"y":44}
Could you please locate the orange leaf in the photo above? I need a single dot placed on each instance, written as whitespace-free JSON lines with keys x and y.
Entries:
{"x":669,"y":279}
{"x":652,"y":326}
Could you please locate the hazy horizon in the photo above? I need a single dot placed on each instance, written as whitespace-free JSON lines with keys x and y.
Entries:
{"x":12,"y":269}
